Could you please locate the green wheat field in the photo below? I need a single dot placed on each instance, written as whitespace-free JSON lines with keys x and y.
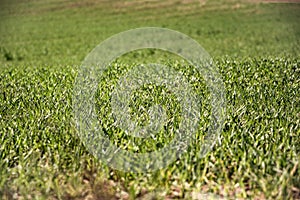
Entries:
{"x":255,"y":46}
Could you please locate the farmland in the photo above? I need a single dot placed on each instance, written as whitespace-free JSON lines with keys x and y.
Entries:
{"x":255,"y":46}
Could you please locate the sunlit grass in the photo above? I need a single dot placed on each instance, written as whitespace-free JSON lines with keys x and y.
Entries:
{"x":41,"y":156}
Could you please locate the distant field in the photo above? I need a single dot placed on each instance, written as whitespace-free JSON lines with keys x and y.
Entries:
{"x":256,"y":47}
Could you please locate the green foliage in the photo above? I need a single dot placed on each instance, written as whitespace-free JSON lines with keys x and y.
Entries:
{"x":260,"y":143}
{"x":42,"y":45}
